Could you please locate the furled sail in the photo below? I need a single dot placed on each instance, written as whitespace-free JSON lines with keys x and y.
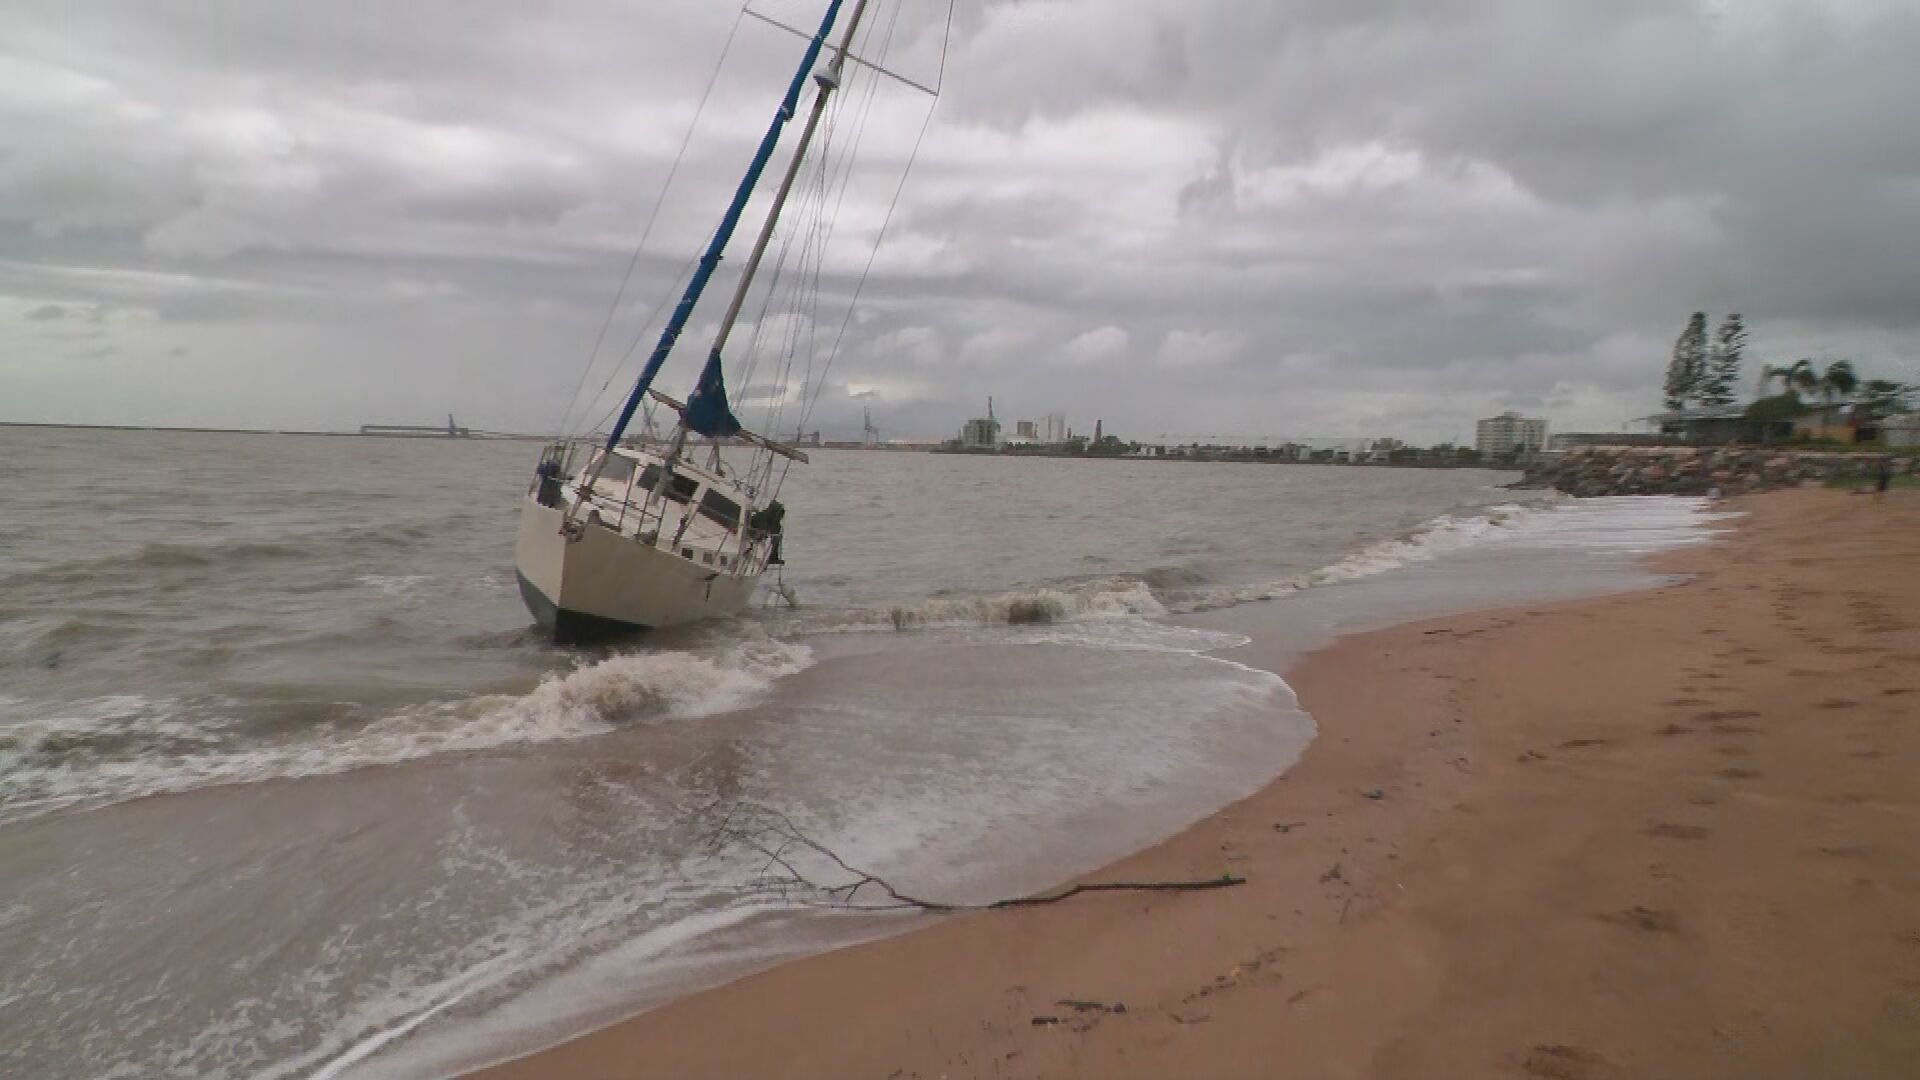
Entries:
{"x":707,"y":410}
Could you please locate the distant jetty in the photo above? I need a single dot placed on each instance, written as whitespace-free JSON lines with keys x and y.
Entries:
{"x":375,"y":431}
{"x":416,"y":431}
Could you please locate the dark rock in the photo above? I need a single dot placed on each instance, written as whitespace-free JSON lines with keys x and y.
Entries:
{"x":1691,"y":470}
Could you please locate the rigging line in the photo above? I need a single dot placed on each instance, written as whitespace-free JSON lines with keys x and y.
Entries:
{"x":844,"y":181}
{"x":833,"y":353}
{"x":870,"y":65}
{"x":755,"y":344}
{"x":808,"y":233}
{"x":880,"y":238}
{"x":798,"y":243}
{"x":788,"y":230}
{"x":946,"y":36}
{"x":828,"y":181}
{"x":816,"y":229}
{"x":808,"y":227}
{"x":811,"y":253}
{"x":641,"y":334}
{"x":586,"y":407}
{"x":775,"y":409}
{"x":767,"y":297}
{"x":653,"y":217}
{"x":807,"y":300}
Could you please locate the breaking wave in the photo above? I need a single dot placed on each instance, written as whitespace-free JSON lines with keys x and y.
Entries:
{"x":1169,"y":590}
{"x":123,"y":747}
{"x":1025,"y":607}
{"x":1628,"y":524}
{"x":1631,"y":525}
{"x":111,"y":748}
{"x":1430,"y":540}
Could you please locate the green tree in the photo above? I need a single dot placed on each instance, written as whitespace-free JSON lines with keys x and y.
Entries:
{"x":1795,"y":378}
{"x":1689,"y":364}
{"x":1877,"y":399}
{"x":1723,"y":370}
{"x":1776,"y":408}
{"x":1837,"y":383}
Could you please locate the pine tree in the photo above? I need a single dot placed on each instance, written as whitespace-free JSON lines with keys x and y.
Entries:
{"x":1723,"y":372}
{"x":1689,"y":367}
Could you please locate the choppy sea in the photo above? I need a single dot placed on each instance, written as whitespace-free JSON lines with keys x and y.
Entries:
{"x":288,"y":787}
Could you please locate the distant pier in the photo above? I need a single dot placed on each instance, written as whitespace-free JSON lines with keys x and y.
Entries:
{"x":417,"y":431}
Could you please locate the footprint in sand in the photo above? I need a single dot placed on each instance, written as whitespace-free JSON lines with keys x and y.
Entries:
{"x":1738,"y":774}
{"x":1579,"y":744}
{"x":1666,"y":830}
{"x":1558,"y":1061}
{"x":1836,"y":703}
{"x":1652,"y":920}
{"x":1720,"y":722}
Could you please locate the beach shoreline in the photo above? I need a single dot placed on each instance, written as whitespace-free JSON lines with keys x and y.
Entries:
{"x":1734,"y":895}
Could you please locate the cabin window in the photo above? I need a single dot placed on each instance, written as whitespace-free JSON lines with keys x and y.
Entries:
{"x":679,"y":488}
{"x":617,"y":470}
{"x":720,"y":508}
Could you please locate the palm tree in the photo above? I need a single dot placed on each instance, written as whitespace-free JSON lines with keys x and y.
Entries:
{"x":1838,"y":381}
{"x":1794,"y":377}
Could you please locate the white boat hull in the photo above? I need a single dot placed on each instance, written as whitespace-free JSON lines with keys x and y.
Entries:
{"x":601,"y":583}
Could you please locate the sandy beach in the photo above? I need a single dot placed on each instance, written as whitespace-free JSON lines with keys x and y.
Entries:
{"x":1668,"y":833}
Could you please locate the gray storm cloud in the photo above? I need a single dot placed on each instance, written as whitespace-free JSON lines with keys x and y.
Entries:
{"x":1308,"y":218}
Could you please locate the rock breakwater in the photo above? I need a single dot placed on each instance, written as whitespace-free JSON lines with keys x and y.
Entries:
{"x":1697,"y":470}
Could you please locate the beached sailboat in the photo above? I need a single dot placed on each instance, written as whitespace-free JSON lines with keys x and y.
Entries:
{"x":620,"y":534}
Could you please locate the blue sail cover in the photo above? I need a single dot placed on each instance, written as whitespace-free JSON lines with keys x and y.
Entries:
{"x":707,"y":410}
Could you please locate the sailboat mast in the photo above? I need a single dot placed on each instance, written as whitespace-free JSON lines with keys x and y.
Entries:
{"x":711,"y":258}
{"x":828,"y":81}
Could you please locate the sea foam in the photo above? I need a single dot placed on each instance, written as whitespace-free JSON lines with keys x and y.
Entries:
{"x":122,"y":747}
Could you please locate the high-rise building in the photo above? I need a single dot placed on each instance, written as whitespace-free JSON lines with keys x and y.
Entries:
{"x":1056,"y":429}
{"x":981,"y":432}
{"x":1509,"y":434}
{"x":1027,"y":429}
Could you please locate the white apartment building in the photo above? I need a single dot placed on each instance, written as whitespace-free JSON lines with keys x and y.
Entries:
{"x":1508,"y":434}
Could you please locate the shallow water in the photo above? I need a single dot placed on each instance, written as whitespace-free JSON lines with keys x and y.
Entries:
{"x":385,"y":809}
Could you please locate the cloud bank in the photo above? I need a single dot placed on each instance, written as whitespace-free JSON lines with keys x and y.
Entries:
{"x":1189,"y":218}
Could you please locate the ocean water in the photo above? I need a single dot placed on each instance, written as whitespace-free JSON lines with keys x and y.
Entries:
{"x":289,"y":788}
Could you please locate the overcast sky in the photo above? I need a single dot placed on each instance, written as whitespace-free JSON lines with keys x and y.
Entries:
{"x":1241,"y":218}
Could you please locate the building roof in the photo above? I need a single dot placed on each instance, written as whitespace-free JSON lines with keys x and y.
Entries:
{"x":1704,"y":412}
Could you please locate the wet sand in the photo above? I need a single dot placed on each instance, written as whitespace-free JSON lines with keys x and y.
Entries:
{"x":1669,"y":833}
